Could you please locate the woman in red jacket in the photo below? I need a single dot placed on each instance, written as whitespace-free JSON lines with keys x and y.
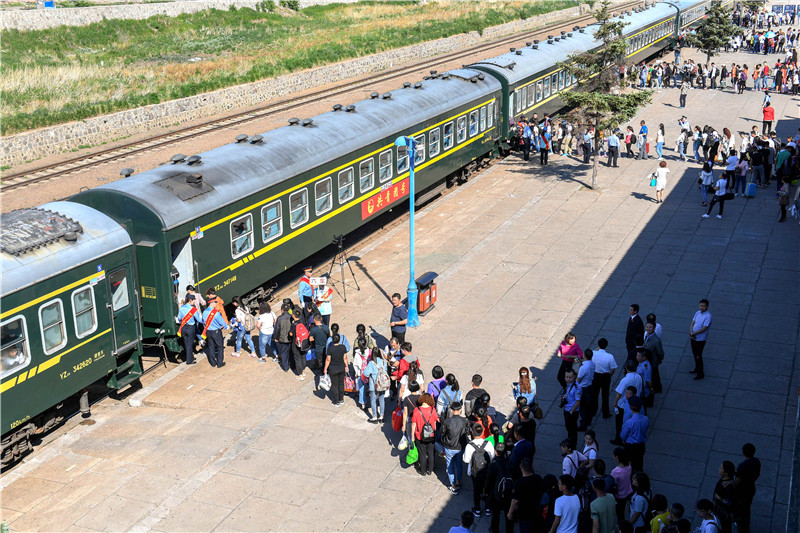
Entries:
{"x":769,"y":116}
{"x":424,"y":415}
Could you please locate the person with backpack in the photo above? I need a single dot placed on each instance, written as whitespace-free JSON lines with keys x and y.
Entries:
{"x":473,"y":395}
{"x":437,"y":383}
{"x":705,"y":510}
{"x":499,"y":489}
{"x":319,"y":335}
{"x":377,"y":383}
{"x":283,"y":326}
{"x":423,"y":427}
{"x":572,"y":458}
{"x":454,"y":435}
{"x":242,"y":324}
{"x":449,"y":394}
{"x":640,"y":502}
{"x":300,"y":345}
{"x":477,"y":455}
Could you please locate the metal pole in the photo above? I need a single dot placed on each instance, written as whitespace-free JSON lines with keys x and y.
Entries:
{"x":413,"y":293}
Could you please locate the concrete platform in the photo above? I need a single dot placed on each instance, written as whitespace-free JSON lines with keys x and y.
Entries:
{"x":524,"y":255}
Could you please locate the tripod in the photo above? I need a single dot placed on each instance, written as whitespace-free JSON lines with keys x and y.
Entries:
{"x":341,"y":259}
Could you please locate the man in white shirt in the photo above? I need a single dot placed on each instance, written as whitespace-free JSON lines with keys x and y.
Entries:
{"x":698,"y":334}
{"x":478,"y":445}
{"x":567,"y":507}
{"x":705,"y":510}
{"x":572,"y":457}
{"x":604,"y":367}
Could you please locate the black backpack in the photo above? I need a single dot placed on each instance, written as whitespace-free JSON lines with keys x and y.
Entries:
{"x":504,"y":486}
{"x":428,"y":433}
{"x":480,"y":458}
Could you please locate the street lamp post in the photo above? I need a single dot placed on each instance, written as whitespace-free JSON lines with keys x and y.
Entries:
{"x":411,"y":149}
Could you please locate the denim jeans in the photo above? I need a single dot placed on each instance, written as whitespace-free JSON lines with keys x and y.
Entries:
{"x":377,"y":399}
{"x":704,"y":189}
{"x":681,"y":150}
{"x":696,"y":147}
{"x":242,"y":334}
{"x":265,"y":340}
{"x":362,"y":390}
{"x":660,"y":150}
{"x":455,"y":465}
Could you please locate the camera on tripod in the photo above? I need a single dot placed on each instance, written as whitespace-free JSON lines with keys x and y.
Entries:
{"x":338,"y":240}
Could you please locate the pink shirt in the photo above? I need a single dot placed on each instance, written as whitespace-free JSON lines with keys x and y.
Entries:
{"x":570,"y":352}
{"x":622,"y":477}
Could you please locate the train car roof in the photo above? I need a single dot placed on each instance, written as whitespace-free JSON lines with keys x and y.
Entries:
{"x":40,"y":242}
{"x":236,"y":170}
{"x":527,"y":61}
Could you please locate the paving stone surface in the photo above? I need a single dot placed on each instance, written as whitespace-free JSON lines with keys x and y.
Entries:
{"x":524,"y":255}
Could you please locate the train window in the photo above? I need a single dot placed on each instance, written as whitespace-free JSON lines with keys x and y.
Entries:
{"x":524,"y":95}
{"x":448,"y":136}
{"x":433,"y":142}
{"x":271,"y":221}
{"x":119,"y":289}
{"x":461,"y":129}
{"x":14,"y":351}
{"x":366,"y":171}
{"x":483,"y":118}
{"x":385,"y":166}
{"x":554,"y":83}
{"x":83,"y":311}
{"x":473,"y":123}
{"x":402,"y":159}
{"x":560,"y":80}
{"x":519,"y":100}
{"x":490,"y":115}
{"x":419,"y":154}
{"x":531,"y":95}
{"x":511,"y":103}
{"x":51,"y":318}
{"x":346,"y":186}
{"x":298,"y":207}
{"x":323,"y":197}
{"x":539,"y":91}
{"x":546,"y":87}
{"x":241,"y":235}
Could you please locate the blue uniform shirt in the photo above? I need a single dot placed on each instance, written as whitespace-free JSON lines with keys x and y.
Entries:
{"x":526,"y":132}
{"x":613,"y":140}
{"x":304,"y":289}
{"x":185,"y":308}
{"x":572,"y":396}
{"x":217,"y":323}
{"x":646,"y":371}
{"x":586,"y":373}
{"x":634,"y":431}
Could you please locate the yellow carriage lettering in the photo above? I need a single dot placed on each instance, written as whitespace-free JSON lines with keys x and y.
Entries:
{"x":17,"y":423}
{"x":81,"y":365}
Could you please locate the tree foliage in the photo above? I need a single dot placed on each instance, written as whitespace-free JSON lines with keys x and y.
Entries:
{"x":714,"y":31}
{"x":598,"y":98}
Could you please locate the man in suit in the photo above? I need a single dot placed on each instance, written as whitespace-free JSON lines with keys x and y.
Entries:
{"x":653,"y":343}
{"x":635,"y":329}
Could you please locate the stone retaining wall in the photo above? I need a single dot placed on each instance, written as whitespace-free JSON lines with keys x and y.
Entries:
{"x":28,"y":146}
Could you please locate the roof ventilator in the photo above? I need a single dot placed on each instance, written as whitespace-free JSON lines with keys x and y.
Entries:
{"x":177,"y":158}
{"x":550,"y":41}
{"x":307,"y":122}
{"x":386,"y":96}
{"x":536,"y":41}
{"x":406,"y":85}
{"x":513,"y":49}
{"x":481,"y":77}
{"x":255,"y":139}
{"x":563,"y":33}
{"x":126,"y":172}
{"x":434,"y":73}
{"x":242,"y":137}
{"x":418,"y":85}
{"x":294,"y":121}
{"x":557,"y":39}
{"x":193,"y":160}
{"x":337,"y":107}
{"x":528,"y":44}
{"x":582,"y":30}
{"x":474,"y":79}
{"x":576,"y":28}
{"x":374,"y":95}
{"x":194,"y":179}
{"x":535,"y":46}
{"x":350,"y":108}
{"x":445,"y":76}
{"x":569,"y":34}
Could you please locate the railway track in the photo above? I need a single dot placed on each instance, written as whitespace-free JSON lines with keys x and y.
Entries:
{"x":118,"y":153}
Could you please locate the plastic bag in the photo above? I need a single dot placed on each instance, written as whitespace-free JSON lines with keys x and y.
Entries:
{"x":403,"y":443}
{"x":413,"y":454}
{"x":325,"y":382}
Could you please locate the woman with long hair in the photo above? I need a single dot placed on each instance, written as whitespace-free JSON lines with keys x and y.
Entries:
{"x":525,"y":387}
{"x":241,"y":331}
{"x":569,"y":352}
{"x":660,"y":137}
{"x":450,"y":393}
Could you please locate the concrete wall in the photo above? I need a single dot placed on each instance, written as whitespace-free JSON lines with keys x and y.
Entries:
{"x":53,"y":140}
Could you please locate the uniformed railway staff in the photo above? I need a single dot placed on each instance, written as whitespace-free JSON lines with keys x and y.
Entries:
{"x":214,"y":324}
{"x":305,"y":293}
{"x":189,"y":317}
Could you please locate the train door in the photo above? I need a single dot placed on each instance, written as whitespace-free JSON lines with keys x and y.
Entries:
{"x":183,"y":268}
{"x":124,"y":309}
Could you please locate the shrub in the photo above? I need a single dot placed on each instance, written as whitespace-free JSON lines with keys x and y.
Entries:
{"x":294,"y":5}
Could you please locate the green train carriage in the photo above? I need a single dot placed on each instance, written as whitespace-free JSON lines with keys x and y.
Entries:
{"x":70,"y":314}
{"x":238,"y":215}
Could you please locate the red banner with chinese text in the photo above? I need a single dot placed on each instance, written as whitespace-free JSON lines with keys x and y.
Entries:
{"x":383,"y":199}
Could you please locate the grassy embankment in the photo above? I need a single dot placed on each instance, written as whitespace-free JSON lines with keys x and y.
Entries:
{"x":70,"y":73}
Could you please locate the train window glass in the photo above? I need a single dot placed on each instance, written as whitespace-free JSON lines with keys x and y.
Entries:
{"x":366,"y":171}
{"x":271,"y":221}
{"x":14,"y":352}
{"x":419,"y":154}
{"x":402,"y":159}
{"x":298,"y":207}
{"x":546,"y":87}
{"x":519,"y":100}
{"x":483,"y":118}
{"x":323,"y":196}
{"x":51,"y":318}
{"x":461,"y":129}
{"x":524,"y":95}
{"x":539,"y":91}
{"x":561,"y":80}
{"x":531,"y":95}
{"x":473,"y":123}
{"x":433,"y":142}
{"x":385,"y":166}
{"x":448,"y":136}
{"x":490,"y":113}
{"x":346,"y":186}
{"x":554,"y":83}
{"x":241,"y":235}
{"x":83,"y":312}
{"x":119,"y":289}
{"x":511,"y":103}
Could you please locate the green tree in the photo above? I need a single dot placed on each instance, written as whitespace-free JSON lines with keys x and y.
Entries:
{"x":714,"y":31}
{"x":754,"y":5}
{"x":599,"y":97}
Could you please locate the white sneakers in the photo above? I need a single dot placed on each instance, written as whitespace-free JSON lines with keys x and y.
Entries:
{"x":705,"y":215}
{"x":719,"y":217}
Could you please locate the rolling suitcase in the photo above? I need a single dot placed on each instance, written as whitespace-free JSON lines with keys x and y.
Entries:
{"x":750,"y":190}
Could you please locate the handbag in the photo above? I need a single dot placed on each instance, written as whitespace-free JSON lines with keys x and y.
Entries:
{"x":349,"y":384}
{"x":325,"y":382}
{"x":413,"y":454}
{"x":538,"y":414}
{"x":728,"y":196}
{"x":653,"y":180}
{"x":397,"y":418}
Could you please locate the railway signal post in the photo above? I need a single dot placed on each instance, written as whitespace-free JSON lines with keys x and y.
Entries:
{"x":411,"y":146}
